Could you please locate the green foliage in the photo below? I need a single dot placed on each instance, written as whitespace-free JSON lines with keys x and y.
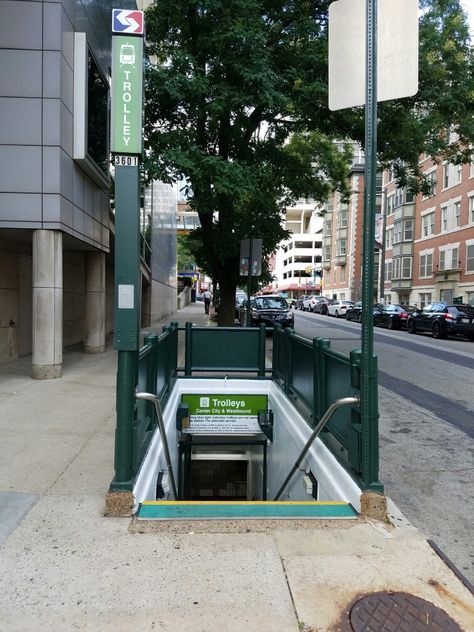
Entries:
{"x":236,"y":103}
{"x":184,"y":255}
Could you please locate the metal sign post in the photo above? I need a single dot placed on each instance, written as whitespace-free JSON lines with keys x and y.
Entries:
{"x":126,"y":144}
{"x":382,"y":65}
{"x":369,"y":397}
{"x":250,"y":265}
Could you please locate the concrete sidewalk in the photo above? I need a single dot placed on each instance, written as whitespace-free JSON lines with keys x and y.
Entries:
{"x":63,"y":566}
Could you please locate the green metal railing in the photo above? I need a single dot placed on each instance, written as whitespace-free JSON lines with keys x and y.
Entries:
{"x":311,"y":374}
{"x":225,"y":349}
{"x":313,"y":377}
{"x":157,"y":368}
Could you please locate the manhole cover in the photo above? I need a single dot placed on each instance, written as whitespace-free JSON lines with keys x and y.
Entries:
{"x":399,"y":612}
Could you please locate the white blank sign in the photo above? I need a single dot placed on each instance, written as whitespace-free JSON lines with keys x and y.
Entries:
{"x":397,"y":51}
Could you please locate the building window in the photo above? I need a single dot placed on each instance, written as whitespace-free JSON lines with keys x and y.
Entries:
{"x":425,"y":299}
{"x":470,"y":298}
{"x":449,"y":258}
{"x":390,"y":204}
{"x":471,"y":209}
{"x":408,"y":230}
{"x":388,"y":270}
{"x":457,"y":214}
{"x":446,"y":176}
{"x":426,"y":264}
{"x":389,"y":238}
{"x":402,"y":268}
{"x":470,"y":257}
{"x":342,"y":275}
{"x":431,"y":182}
{"x":341,"y":248}
{"x":403,"y":231}
{"x":452,"y":174}
{"x":444,"y":219}
{"x":398,"y":201}
{"x":427,"y":224}
{"x":342,"y":219}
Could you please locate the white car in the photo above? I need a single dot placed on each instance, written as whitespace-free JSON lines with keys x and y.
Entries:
{"x":339,"y":308}
{"x":307,"y":305}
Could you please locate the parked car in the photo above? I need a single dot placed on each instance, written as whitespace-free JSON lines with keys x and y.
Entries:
{"x":307,"y":302}
{"x":267,"y":310}
{"x":239,"y":299}
{"x":354,"y":312}
{"x":321,"y":307}
{"x":339,"y":308}
{"x":291,"y":302}
{"x":314,"y":301}
{"x":393,"y":316}
{"x":299,"y":301}
{"x":441,"y":320}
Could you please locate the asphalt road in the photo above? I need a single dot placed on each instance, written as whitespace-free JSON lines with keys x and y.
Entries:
{"x":426,"y":407}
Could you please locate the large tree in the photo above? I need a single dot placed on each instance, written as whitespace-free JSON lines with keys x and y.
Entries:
{"x":236,"y":104}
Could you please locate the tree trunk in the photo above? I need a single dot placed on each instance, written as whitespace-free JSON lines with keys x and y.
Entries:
{"x":226,"y":316}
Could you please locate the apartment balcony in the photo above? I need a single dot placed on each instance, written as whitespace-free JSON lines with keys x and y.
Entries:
{"x":341,"y":260}
{"x":326,"y":265}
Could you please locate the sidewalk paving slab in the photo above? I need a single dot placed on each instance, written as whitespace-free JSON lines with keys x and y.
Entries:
{"x":64,"y":566}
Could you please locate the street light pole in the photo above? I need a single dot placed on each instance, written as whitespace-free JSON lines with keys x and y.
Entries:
{"x":369,"y":404}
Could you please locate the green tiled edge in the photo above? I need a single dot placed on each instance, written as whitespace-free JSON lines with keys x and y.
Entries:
{"x":163,"y":511}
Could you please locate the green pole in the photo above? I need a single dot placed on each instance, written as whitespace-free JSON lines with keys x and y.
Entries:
{"x":127,"y":314}
{"x":369,"y":396}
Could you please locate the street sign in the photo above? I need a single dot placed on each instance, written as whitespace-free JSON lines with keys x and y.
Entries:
{"x":127,"y":55}
{"x":127,"y":21}
{"x":397,"y":46}
{"x":224,"y":414}
{"x":255,"y":247}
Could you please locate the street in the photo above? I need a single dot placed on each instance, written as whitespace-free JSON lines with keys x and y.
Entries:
{"x":426,"y":407}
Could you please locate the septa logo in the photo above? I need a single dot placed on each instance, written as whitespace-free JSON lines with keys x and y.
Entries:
{"x":127,"y":21}
{"x":204,"y":402}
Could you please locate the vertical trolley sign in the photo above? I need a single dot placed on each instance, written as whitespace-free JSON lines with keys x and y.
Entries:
{"x":126,"y":146}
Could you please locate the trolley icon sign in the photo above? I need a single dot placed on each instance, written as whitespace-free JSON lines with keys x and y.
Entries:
{"x":127,"y":21}
{"x":127,"y":54}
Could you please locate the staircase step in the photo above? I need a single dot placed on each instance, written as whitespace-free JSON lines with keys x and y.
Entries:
{"x":212,"y":510}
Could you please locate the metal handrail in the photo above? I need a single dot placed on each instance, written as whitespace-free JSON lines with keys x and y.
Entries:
{"x":344,"y":401}
{"x":161,"y":425}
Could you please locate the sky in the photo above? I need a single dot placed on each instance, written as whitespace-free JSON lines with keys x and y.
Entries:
{"x":469,"y":8}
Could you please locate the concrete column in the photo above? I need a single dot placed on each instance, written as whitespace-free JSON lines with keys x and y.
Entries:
{"x":94,"y":339}
{"x":47,"y":304}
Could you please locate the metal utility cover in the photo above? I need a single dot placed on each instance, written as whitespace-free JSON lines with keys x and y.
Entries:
{"x":384,"y":611}
{"x":397,"y":45}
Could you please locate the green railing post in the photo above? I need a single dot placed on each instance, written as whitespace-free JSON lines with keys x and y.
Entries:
{"x":152,"y":361}
{"x":261,"y":350}
{"x":355,"y":362}
{"x":320,"y":377}
{"x":275,"y":351}
{"x":188,"y":349}
{"x":288,"y":359}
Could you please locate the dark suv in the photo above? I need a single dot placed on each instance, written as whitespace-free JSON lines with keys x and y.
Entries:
{"x":443,"y":320}
{"x":267,"y":310}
